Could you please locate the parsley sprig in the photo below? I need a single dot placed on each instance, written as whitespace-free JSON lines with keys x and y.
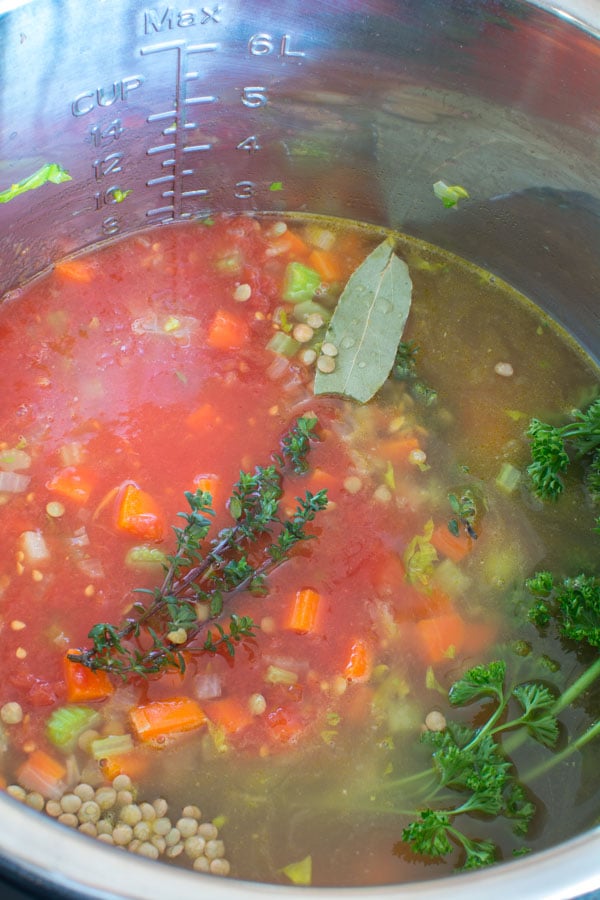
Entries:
{"x":473,"y":774}
{"x":553,"y":448}
{"x":238,"y":558}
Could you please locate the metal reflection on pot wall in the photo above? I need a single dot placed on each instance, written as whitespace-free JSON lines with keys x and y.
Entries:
{"x":238,"y":105}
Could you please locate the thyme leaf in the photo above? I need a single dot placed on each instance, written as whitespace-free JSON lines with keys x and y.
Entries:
{"x":210,"y":571}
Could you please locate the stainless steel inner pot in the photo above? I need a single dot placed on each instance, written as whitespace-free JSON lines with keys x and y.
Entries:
{"x":351,"y":108}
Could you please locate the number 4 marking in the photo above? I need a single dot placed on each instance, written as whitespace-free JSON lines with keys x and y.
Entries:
{"x":250,"y":144}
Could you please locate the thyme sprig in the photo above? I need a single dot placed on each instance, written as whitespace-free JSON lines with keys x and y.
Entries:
{"x":199,"y":577}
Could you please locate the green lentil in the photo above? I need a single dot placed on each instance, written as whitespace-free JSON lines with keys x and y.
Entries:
{"x":11,"y":713}
{"x":208,"y":831}
{"x":131,"y":814}
{"x":162,"y":825}
{"x":53,"y":808}
{"x":122,"y":783}
{"x":122,"y":834}
{"x":143,"y":831}
{"x":16,"y":791}
{"x":194,"y":846}
{"x":219,"y":867}
{"x":35,"y":800}
{"x":89,"y":812}
{"x":84,"y":792}
{"x":149,"y":850}
{"x":106,"y":838}
{"x":187,"y":826}
{"x":106,"y":797}
{"x":70,"y":803}
{"x":214,"y":849}
{"x":69,"y":819}
{"x":191,"y":811}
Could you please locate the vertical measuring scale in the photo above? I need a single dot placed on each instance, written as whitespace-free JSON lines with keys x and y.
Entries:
{"x":179,"y":157}
{"x":195,"y":108}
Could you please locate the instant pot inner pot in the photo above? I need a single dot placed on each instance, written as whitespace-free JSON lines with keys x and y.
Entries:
{"x":162,"y":112}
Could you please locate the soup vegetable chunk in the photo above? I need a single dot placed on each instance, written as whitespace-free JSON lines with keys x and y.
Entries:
{"x":298,"y":555}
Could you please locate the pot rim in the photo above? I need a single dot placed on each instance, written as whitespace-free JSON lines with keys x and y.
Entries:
{"x":45,"y":853}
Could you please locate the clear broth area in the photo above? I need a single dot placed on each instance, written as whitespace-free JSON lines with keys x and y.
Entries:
{"x":172,"y":360}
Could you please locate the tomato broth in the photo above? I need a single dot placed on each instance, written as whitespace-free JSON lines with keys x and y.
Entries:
{"x":170,"y":361}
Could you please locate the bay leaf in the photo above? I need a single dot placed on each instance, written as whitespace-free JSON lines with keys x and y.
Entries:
{"x":367,"y":325}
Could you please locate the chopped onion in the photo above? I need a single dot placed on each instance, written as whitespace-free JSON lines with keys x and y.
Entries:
{"x":207,"y":686}
{"x":79,"y":539}
{"x":11,"y":460}
{"x":278,"y":367}
{"x":13,"y":482}
{"x":91,"y":567}
{"x":34,"y":547}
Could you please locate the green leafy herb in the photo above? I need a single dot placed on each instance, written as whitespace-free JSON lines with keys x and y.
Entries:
{"x":51,"y":172}
{"x":296,"y":443}
{"x":574,"y":604}
{"x":554,"y":447}
{"x":449,"y":194}
{"x":465,"y":510}
{"x":471,"y":763}
{"x":405,"y":369}
{"x":239,"y":558}
{"x":367,"y":325}
{"x":276,"y":186}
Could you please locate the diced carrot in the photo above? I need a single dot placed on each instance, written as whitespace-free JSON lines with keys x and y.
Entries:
{"x":210,"y":484}
{"x":134,"y":764}
{"x":74,"y":482}
{"x":360,"y":663}
{"x":229,"y":713}
{"x":138,"y":513}
{"x":455,"y":547}
{"x":43,"y":773}
{"x":227,"y":332}
{"x":74,"y":270}
{"x":398,"y":449}
{"x":292,"y":244}
{"x":441,"y":637}
{"x":85,"y":684}
{"x":304,"y":611}
{"x":326,"y":264}
{"x":162,"y":718}
{"x":203,"y":418}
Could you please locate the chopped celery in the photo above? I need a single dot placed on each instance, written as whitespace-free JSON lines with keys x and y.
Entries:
{"x":320,"y":237}
{"x":310,"y":308}
{"x":300,"y":283}
{"x":277,"y":675}
{"x":113,"y":745}
{"x":283,"y":344}
{"x":145,"y":557}
{"x":508,"y":478}
{"x":66,"y":724}
{"x":299,"y":872}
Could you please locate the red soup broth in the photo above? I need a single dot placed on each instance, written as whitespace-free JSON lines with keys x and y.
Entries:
{"x":170,"y":361}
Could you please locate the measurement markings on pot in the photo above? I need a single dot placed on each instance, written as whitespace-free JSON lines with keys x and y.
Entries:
{"x":179,"y":123}
{"x":176,"y":167}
